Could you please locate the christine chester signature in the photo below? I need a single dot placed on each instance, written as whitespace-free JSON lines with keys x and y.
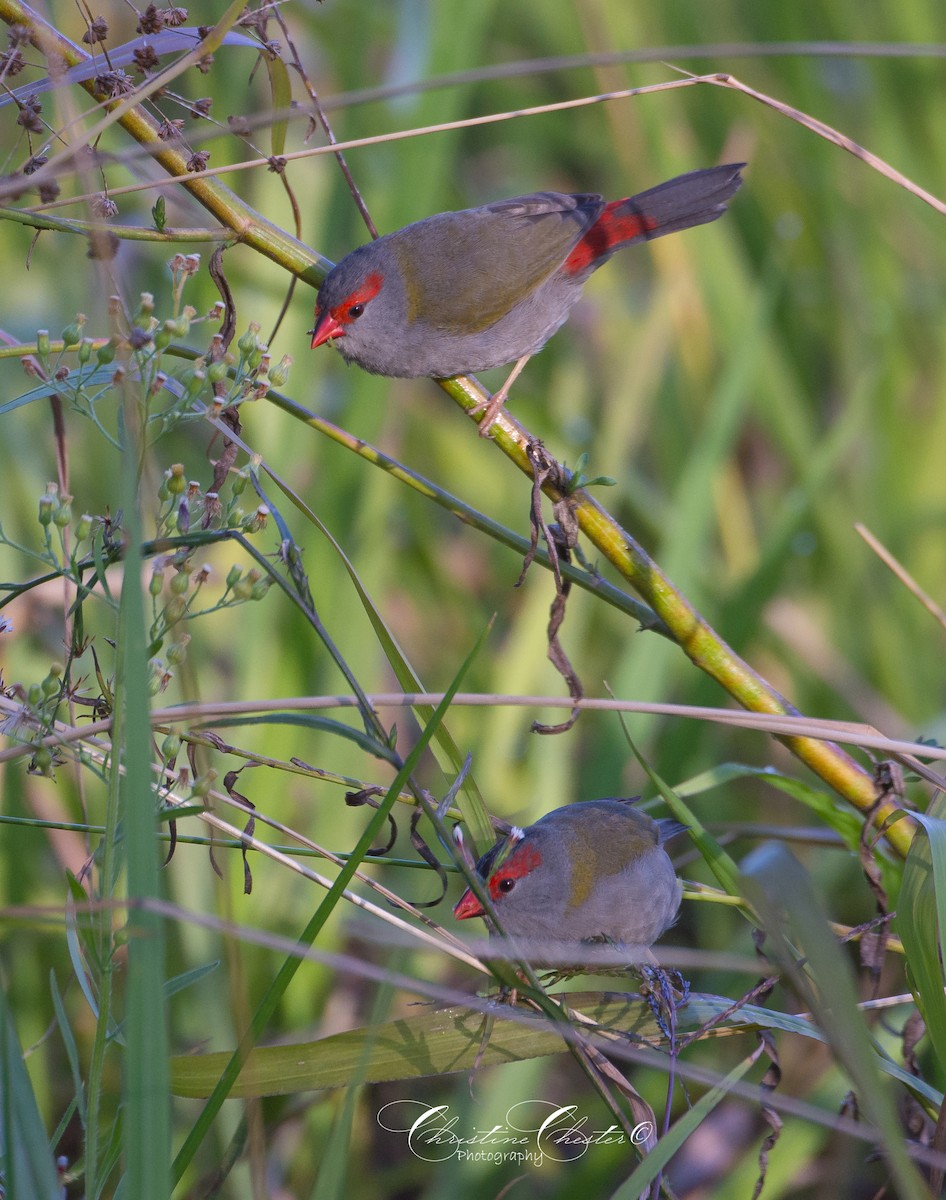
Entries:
{"x":532,"y":1131}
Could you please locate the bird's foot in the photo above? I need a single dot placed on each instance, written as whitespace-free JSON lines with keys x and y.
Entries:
{"x":495,"y":405}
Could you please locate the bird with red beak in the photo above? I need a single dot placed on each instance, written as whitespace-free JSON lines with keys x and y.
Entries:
{"x":593,"y":871}
{"x":461,"y":292}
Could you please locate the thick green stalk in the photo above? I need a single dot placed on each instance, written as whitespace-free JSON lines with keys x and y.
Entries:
{"x":695,"y":637}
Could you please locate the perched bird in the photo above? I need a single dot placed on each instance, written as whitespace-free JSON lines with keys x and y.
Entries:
{"x":461,"y":292}
{"x":592,"y":871}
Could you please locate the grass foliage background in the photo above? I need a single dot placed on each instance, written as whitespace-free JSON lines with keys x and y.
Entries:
{"x":755,"y":388}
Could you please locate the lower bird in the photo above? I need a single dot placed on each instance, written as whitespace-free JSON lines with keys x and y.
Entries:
{"x":593,"y":871}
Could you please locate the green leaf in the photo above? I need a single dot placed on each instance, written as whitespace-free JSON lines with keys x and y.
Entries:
{"x":72,"y":1051}
{"x":159,"y":214}
{"x":281,"y":94}
{"x":452,"y":1039}
{"x":655,"y":1161}
{"x":444,"y":747}
{"x":808,"y":952}
{"x":921,"y":920}
{"x":27,"y":1164}
{"x":146,"y":1124}
{"x":321,"y":724}
{"x":433,"y":1043}
{"x":267,"y":1006}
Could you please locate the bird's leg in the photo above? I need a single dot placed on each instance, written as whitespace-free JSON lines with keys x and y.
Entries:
{"x":499,"y":398}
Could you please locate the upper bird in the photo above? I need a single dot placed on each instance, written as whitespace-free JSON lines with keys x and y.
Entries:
{"x":592,"y":870}
{"x":460,"y":292}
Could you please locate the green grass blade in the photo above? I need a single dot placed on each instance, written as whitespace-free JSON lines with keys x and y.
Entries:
{"x":921,"y":921}
{"x":655,"y":1161}
{"x":28,"y":1168}
{"x":72,"y":1051}
{"x":716,"y":858}
{"x":781,"y":891}
{"x":82,"y":375}
{"x":147,"y":1119}
{"x":433,"y":1043}
{"x":451,"y":1039}
{"x":443,"y":745}
{"x":333,"y":1168}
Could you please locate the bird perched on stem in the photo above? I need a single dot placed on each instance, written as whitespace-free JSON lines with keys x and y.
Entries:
{"x":460,"y":292}
{"x":593,"y":871}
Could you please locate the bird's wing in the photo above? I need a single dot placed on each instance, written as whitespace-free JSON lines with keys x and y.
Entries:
{"x":480,"y":263}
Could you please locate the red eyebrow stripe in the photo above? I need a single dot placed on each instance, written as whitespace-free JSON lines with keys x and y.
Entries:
{"x":368,"y":290}
{"x":607,"y":233}
{"x":519,"y":863}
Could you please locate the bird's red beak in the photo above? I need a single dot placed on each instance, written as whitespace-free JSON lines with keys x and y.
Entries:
{"x":326,"y":327}
{"x":468,"y":906}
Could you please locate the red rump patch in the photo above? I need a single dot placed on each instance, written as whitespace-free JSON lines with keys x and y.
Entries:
{"x":518,"y":864}
{"x":368,"y":290}
{"x":612,"y":229}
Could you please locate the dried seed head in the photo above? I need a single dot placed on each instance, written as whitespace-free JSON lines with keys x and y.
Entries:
{"x":12,"y":63}
{"x":138,"y":338}
{"x":113,"y":84}
{"x":151,"y":20}
{"x":29,"y":115}
{"x":104,"y":207}
{"x":97,"y":32}
{"x":146,"y":59}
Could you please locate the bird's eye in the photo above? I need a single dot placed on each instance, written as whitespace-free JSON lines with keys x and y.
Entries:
{"x":355,"y":311}
{"x":506,"y":885}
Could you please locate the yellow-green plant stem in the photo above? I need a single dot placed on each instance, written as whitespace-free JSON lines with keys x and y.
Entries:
{"x":695,"y":637}
{"x":129,"y":233}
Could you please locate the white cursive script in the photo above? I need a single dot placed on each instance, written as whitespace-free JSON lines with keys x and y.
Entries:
{"x":533,"y":1130}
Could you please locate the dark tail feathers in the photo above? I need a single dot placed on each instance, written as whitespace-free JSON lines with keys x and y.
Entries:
{"x":692,"y":199}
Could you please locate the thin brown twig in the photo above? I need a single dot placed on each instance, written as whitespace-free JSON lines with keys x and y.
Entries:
{"x":718,"y":79}
{"x":829,"y":133}
{"x":901,"y":573}
{"x":785,"y":725}
{"x":296,"y":63}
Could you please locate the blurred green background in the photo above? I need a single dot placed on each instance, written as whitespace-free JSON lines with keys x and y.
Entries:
{"x":755,"y":387}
